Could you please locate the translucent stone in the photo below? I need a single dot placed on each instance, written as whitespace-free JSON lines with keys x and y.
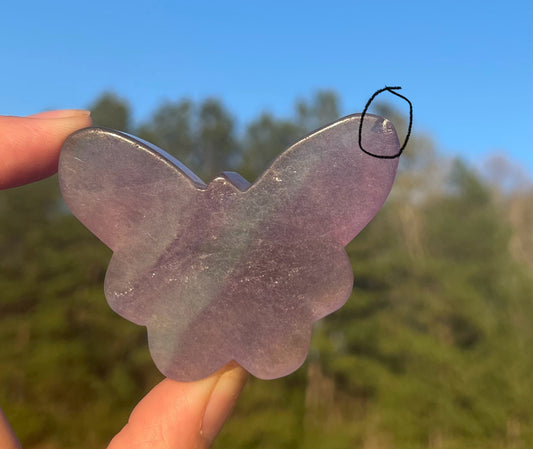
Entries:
{"x":229,"y":271}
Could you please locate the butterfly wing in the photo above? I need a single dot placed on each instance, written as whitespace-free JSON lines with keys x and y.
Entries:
{"x":312,"y":200}
{"x":325,"y":185}
{"x":133,"y":197}
{"x":122,"y":188}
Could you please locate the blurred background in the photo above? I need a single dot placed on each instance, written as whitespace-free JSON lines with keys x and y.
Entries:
{"x":433,"y":349}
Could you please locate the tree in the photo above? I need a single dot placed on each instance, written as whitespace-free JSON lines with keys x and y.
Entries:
{"x":216,"y":145}
{"x":322,"y":110}
{"x":202,"y":137}
{"x":266,"y":138}
{"x":171,"y":129}
{"x":111,"y":111}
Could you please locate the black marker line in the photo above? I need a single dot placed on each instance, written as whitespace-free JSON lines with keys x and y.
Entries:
{"x":391,"y":90}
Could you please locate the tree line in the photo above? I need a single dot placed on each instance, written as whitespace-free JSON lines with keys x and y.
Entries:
{"x":431,"y":351}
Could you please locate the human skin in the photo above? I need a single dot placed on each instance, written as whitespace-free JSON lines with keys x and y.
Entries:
{"x":173,"y":414}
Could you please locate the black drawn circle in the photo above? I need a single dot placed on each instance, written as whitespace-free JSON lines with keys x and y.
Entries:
{"x":391,"y":90}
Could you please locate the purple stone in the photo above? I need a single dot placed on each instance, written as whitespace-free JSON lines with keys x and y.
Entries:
{"x":229,"y":271}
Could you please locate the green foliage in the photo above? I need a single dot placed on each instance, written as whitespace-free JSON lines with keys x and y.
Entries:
{"x":431,"y":351}
{"x":321,"y":110}
{"x":265,"y":138}
{"x":171,"y":128}
{"x":201,"y":136}
{"x":65,"y":347}
{"x":111,"y":111}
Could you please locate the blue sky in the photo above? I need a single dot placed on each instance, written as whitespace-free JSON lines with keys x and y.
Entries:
{"x":466,"y":66}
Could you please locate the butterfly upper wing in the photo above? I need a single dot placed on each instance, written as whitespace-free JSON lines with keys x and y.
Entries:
{"x":325,"y":185}
{"x":123,"y":189}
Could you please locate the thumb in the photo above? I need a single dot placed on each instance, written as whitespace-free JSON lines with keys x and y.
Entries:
{"x":185,"y":415}
{"x":29,"y":146}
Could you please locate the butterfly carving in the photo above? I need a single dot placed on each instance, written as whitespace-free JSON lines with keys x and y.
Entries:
{"x":229,"y":270}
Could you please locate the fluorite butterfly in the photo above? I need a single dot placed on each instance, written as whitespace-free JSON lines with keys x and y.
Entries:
{"x":229,"y":270}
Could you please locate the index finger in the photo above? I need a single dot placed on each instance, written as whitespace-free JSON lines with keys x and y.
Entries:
{"x":29,"y":146}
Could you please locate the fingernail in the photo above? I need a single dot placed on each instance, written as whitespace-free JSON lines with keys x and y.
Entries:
{"x":62,"y":113}
{"x":222,"y":401}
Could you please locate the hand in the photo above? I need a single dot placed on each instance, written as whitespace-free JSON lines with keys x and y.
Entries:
{"x":174,"y":414}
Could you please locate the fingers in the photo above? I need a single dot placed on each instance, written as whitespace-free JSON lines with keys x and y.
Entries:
{"x":8,"y":440}
{"x":29,"y":146}
{"x":186,"y":415}
{"x":29,"y":151}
